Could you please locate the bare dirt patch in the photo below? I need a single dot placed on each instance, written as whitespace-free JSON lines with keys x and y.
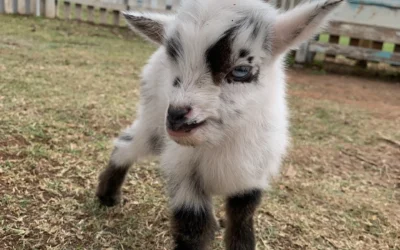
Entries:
{"x":372,"y":94}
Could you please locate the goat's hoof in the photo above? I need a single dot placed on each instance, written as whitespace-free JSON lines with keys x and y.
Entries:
{"x":109,"y":200}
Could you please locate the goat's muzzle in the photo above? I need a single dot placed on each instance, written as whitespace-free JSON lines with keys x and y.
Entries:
{"x":178,"y":123}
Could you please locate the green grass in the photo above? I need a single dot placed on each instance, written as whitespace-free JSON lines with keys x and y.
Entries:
{"x":67,"y":88}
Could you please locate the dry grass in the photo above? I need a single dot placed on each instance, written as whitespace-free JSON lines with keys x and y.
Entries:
{"x":67,"y":88}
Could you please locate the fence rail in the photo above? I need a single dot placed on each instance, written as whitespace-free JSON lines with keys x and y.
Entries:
{"x":73,"y":9}
{"x":49,"y":7}
{"x":361,"y":22}
{"x":29,"y":7}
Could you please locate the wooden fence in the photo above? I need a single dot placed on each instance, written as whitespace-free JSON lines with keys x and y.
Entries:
{"x":363,"y":30}
{"x":29,"y":7}
{"x":72,"y":9}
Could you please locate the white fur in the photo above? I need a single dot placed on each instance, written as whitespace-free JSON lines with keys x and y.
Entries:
{"x":246,"y":150}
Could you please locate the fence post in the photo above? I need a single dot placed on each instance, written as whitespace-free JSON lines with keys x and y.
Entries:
{"x":27,"y":7}
{"x":90,"y":17}
{"x":154,"y":4}
{"x":50,"y":8}
{"x":168,"y":5}
{"x":283,"y":5}
{"x":116,"y":17}
{"x":292,"y":4}
{"x":78,"y":11}
{"x":2,"y":6}
{"x":38,"y":7}
{"x":14,"y":7}
{"x":301,"y":53}
{"x":103,"y":16}
{"x":67,"y":10}
{"x":162,"y":4}
{"x":176,"y":4}
{"x":146,"y":4}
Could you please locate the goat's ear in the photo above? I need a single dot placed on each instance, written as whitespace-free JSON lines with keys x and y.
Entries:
{"x":150,"y":25}
{"x":301,"y":23}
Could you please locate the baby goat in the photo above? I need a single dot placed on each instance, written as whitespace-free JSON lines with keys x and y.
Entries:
{"x":213,"y":107}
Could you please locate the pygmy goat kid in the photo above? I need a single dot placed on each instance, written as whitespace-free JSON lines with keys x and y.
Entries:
{"x":213,"y":108}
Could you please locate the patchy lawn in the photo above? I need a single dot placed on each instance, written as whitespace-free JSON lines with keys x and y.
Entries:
{"x":67,"y":88}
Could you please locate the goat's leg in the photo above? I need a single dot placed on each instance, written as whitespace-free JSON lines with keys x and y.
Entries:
{"x":137,"y":141}
{"x":193,"y":229}
{"x":240,"y":209}
{"x":193,"y":220}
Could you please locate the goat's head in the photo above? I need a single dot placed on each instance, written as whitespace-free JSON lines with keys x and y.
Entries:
{"x":218,"y":54}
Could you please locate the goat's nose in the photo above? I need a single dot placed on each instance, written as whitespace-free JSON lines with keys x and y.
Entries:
{"x":177,"y":114}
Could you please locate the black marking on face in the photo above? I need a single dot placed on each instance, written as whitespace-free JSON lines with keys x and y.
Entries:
{"x":255,"y":76}
{"x":250,"y":59}
{"x":240,"y":211}
{"x":251,"y":20}
{"x":177,"y":82}
{"x":254,"y":24}
{"x":156,"y":143}
{"x":267,"y":44}
{"x":174,"y":47}
{"x":126,"y":137}
{"x":110,"y":182}
{"x":256,"y":30}
{"x":193,"y":229}
{"x":244,"y":53}
{"x":218,"y":55}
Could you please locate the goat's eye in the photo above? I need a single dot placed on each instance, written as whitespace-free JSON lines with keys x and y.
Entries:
{"x":241,"y":73}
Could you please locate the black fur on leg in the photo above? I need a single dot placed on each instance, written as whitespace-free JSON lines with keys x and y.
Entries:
{"x":193,"y":229}
{"x":110,"y":182}
{"x":240,"y":209}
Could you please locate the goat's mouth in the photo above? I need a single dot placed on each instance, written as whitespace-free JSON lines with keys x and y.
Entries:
{"x":184,"y":129}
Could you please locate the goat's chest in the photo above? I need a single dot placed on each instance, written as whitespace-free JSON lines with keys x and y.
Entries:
{"x":223,"y":170}
{"x":226,"y":171}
